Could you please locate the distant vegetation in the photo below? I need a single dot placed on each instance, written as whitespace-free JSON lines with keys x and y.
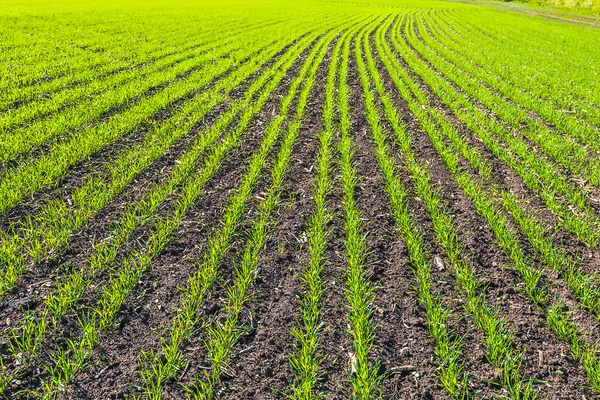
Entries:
{"x":593,"y":5}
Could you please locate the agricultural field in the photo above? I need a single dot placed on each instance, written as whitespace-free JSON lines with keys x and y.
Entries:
{"x":392,"y":199}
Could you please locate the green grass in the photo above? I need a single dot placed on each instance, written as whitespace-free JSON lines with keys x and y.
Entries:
{"x":155,"y":371}
{"x":359,"y":290}
{"x":118,"y":118}
{"x":499,"y":340}
{"x":306,"y":360}
{"x":223,"y":335}
{"x":71,"y":288}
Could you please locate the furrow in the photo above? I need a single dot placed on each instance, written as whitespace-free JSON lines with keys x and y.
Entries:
{"x":223,"y":336}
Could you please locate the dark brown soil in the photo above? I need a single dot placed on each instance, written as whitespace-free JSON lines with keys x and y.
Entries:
{"x":97,"y":162}
{"x":152,"y":305}
{"x":504,"y":291}
{"x":39,"y":281}
{"x":516,"y":185}
{"x":402,"y":342}
{"x":260,"y":367}
{"x":576,"y":180}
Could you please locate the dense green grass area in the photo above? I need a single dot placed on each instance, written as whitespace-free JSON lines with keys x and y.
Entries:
{"x":304,"y":200}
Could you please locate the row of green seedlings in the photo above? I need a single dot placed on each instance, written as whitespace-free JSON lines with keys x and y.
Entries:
{"x":71,"y":289}
{"x":91,"y":83}
{"x":33,"y":66}
{"x":90,"y":113}
{"x":366,"y":383}
{"x":157,"y":369}
{"x":448,"y":349}
{"x":27,"y":338}
{"x":541,"y":175}
{"x":58,"y":75}
{"x":31,"y":63}
{"x":96,"y":87}
{"x":40,"y":236}
{"x":569,"y":151}
{"x":106,"y":252}
{"x":498,"y":339}
{"x":581,"y":284}
{"x":531,"y":286}
{"x":556,"y":145}
{"x":222,"y":336}
{"x":51,"y":86}
{"x":100,"y":104}
{"x":572,"y":100}
{"x":584,"y":289}
{"x":48,"y":168}
{"x":560,"y":321}
{"x":67,"y":362}
{"x":128,"y":160}
{"x":539,"y":77}
{"x":305,"y":360}
{"x":28,"y":177}
{"x":29,"y":104}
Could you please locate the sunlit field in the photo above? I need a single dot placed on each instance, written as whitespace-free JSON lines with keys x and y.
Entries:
{"x":304,"y":200}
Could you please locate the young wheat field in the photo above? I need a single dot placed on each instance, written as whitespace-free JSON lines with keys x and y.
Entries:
{"x":260,"y":199}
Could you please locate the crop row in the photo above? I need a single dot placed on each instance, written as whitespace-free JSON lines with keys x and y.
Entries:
{"x":68,"y":360}
{"x":435,"y":90}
